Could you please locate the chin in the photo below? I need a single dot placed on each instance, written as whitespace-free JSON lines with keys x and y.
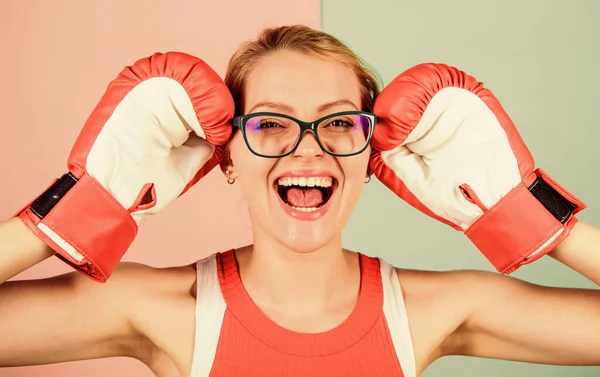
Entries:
{"x":303,"y":245}
{"x":307,"y":236}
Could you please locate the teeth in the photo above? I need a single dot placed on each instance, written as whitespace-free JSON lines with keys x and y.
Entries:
{"x":306,"y":181}
{"x":303,"y":209}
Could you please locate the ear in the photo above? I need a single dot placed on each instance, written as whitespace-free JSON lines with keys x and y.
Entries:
{"x":369,"y":173}
{"x":226,"y":164}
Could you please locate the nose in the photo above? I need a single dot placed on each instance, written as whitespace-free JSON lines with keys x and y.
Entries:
{"x":308,"y":146}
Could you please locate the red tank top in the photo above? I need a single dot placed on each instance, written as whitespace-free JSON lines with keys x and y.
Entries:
{"x":251,"y":345}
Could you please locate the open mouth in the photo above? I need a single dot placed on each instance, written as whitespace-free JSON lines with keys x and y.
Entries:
{"x":306,"y":194}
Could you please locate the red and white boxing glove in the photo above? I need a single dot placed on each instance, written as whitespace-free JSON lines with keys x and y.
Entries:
{"x":157,"y":130}
{"x":444,"y":144}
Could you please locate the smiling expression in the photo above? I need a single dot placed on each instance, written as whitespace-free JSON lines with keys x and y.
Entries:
{"x":302,"y":200}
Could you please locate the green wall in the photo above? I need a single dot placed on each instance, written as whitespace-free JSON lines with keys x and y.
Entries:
{"x":541,"y":59}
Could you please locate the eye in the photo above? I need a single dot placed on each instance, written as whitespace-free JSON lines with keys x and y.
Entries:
{"x":267,"y":123}
{"x":340,"y":123}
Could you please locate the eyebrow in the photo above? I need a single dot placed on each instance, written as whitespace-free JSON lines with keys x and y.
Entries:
{"x":288,"y":108}
{"x":339,"y":102}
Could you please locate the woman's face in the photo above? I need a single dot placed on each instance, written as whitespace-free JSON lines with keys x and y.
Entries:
{"x":277,"y":189}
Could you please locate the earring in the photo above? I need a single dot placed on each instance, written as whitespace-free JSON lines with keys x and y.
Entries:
{"x":367,"y":179}
{"x":229,"y":180}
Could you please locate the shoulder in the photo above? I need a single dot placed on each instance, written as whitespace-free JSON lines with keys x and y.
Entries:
{"x":133,"y":289}
{"x":456,"y":286}
{"x":457,"y":293}
{"x":460,"y":286}
{"x":152,"y":300}
{"x":438,"y":303}
{"x":141,"y":279}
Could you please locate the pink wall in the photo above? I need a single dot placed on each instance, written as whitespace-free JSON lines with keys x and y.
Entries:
{"x":57,"y":58}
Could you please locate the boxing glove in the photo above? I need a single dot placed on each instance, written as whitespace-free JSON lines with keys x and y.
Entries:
{"x":445,"y":145}
{"x":158,"y":129}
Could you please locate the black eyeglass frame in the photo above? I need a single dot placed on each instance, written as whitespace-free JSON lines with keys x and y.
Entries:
{"x":240,"y":122}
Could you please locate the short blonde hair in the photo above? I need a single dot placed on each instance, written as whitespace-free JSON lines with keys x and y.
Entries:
{"x":302,"y":39}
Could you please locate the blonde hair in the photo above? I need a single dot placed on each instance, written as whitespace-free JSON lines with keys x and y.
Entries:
{"x":301,"y":39}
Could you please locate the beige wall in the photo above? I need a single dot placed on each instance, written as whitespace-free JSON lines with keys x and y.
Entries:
{"x":57,"y":58}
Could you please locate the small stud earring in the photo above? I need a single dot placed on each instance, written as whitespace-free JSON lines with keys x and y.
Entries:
{"x":229,"y":179}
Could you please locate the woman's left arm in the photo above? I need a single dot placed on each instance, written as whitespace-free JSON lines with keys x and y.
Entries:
{"x":581,"y":251}
{"x":509,"y":319}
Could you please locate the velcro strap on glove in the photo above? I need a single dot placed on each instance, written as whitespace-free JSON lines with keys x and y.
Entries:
{"x":83,"y":224}
{"x":526,"y":224}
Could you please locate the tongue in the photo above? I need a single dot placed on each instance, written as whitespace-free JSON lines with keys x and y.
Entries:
{"x":307,"y":197}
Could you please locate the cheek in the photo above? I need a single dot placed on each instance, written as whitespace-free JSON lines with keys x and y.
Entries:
{"x":355,"y":172}
{"x":251,"y":171}
{"x":355,"y":168}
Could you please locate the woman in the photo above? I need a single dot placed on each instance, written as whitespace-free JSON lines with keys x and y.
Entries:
{"x":294,"y":303}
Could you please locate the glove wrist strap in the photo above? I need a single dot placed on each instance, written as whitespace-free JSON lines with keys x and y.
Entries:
{"x":83,"y":223}
{"x":560,"y":203}
{"x":526,"y":224}
{"x":52,"y":196}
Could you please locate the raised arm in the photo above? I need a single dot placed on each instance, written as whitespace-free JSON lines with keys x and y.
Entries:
{"x":67,"y":317}
{"x":153,"y":135}
{"x":19,"y":249}
{"x":506,"y":318}
{"x":581,"y":251}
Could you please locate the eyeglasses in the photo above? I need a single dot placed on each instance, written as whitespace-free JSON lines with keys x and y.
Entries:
{"x":273,"y":135}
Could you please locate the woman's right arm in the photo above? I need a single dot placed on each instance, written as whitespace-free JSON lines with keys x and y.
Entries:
{"x":19,"y":249}
{"x":92,"y":213}
{"x":63,"y":318}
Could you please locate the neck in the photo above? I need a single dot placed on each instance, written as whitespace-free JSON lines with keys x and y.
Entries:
{"x":302,"y":283}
